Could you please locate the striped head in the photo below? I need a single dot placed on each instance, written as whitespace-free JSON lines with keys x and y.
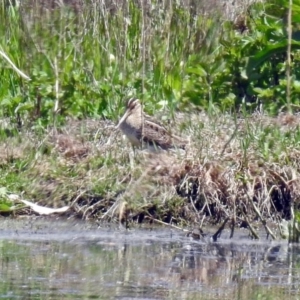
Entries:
{"x":133,"y":104}
{"x":133,"y":108}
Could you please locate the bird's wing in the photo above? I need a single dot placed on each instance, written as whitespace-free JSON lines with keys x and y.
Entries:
{"x":155,"y":134}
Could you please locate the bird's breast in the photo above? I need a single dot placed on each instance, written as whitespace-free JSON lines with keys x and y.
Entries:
{"x":131,"y":132}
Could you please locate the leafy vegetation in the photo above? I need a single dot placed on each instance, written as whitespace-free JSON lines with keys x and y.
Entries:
{"x":84,"y":63}
{"x":76,"y":65}
{"x":241,"y":175}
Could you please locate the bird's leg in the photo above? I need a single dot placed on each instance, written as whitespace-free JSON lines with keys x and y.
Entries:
{"x":132,"y":157}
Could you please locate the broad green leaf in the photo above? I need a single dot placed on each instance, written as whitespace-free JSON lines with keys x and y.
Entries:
{"x":3,"y":191}
{"x":296,"y":85}
{"x":4,"y":207}
{"x":267,"y":53}
{"x":268,"y":93}
{"x":24,"y":107}
{"x":197,"y":70}
{"x":296,"y":18}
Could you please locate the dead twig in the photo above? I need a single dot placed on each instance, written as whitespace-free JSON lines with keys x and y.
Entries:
{"x":219,"y":231}
{"x":263,"y":221}
{"x":251,"y":228}
{"x":167,"y":224}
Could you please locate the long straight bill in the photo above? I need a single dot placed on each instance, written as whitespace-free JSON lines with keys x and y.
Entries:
{"x":123,"y":119}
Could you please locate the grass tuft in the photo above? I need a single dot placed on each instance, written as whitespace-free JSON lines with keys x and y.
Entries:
{"x":90,"y":166}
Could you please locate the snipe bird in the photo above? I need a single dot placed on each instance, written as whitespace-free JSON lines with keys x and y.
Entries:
{"x":143,"y":131}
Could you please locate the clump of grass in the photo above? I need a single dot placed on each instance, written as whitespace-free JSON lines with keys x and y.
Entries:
{"x":84,"y":58}
{"x":89,"y":166}
{"x":249,"y":180}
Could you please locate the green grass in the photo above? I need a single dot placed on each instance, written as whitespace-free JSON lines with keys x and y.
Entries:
{"x":201,"y":73}
{"x":223,"y":170}
{"x":83,"y":64}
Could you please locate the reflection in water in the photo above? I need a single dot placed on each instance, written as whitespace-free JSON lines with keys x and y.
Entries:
{"x":66,"y":262}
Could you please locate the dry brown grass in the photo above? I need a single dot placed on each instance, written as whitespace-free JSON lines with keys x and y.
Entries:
{"x":230,"y":9}
{"x":233,"y":181}
{"x":227,"y":171}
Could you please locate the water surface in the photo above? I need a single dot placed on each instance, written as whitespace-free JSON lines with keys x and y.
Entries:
{"x":54,"y":259}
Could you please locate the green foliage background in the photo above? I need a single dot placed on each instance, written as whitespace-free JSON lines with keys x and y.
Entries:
{"x":84,"y":63}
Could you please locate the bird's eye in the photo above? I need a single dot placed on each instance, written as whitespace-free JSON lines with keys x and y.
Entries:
{"x":132,"y":104}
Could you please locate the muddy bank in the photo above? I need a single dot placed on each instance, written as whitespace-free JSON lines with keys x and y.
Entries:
{"x":88,"y":166}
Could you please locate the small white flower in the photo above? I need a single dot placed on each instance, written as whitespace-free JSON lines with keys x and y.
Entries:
{"x":112,"y":57}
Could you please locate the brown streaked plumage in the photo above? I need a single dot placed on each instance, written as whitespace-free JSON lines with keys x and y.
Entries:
{"x":142,"y":130}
